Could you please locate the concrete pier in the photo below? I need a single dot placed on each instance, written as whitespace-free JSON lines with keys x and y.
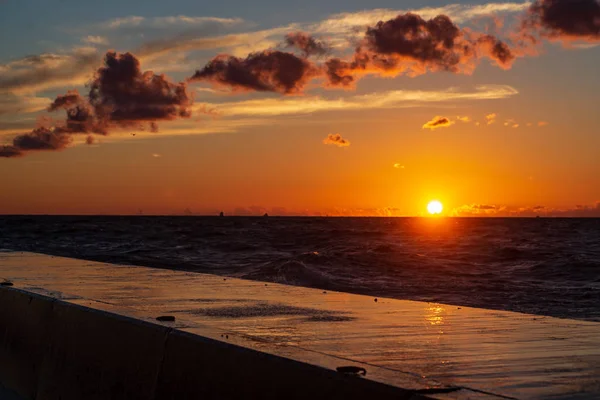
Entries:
{"x":74,"y":329}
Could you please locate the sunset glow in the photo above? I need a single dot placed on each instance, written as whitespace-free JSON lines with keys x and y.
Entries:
{"x":184,"y":109}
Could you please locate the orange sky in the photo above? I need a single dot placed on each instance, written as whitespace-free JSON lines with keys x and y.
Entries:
{"x":266,"y":152}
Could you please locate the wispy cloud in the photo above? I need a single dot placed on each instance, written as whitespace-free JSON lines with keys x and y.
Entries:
{"x":123,"y":21}
{"x":99,"y":40}
{"x":346,"y":22}
{"x":14,"y":104}
{"x":49,"y":70}
{"x":167,"y":21}
{"x":389,"y":99}
{"x":237,"y":43}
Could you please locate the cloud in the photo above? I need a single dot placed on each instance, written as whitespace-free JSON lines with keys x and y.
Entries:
{"x":399,"y":166}
{"x":491,"y":118}
{"x":239,"y":43}
{"x":167,"y":21}
{"x":76,"y":67}
{"x":10,"y":152}
{"x":389,"y":99}
{"x":542,"y":123}
{"x":155,"y":155}
{"x":338,"y":25}
{"x":487,"y":210}
{"x":564,"y":20}
{"x":121,"y":95}
{"x":14,"y":104}
{"x":438,"y":122}
{"x":477,"y":210}
{"x":307,"y":44}
{"x":336,"y":139}
{"x":411,"y":45}
{"x":80,"y":114}
{"x":440,"y":45}
{"x":45,"y":71}
{"x":100,"y":40}
{"x":37,"y":140}
{"x":124,"y":21}
{"x":266,"y":71}
{"x":464,"y":119}
{"x":346,"y":22}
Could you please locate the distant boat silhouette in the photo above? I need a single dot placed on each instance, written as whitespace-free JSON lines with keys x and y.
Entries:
{"x":266,"y":215}
{"x":221,"y":214}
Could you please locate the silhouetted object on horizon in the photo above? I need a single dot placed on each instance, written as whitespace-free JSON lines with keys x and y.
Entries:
{"x":6,"y":283}
{"x":266,"y":215}
{"x":352,"y":370}
{"x":166,"y":318}
{"x":221,"y":214}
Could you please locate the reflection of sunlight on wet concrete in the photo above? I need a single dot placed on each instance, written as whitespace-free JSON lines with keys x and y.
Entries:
{"x":435,"y":315}
{"x":517,"y":355}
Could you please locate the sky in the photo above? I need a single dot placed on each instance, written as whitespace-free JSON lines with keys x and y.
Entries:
{"x":324,"y":108}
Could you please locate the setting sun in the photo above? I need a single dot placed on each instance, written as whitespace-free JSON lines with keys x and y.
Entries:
{"x":435,"y":207}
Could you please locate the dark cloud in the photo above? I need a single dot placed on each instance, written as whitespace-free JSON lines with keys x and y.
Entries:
{"x":10,"y":152}
{"x":345,"y":73}
{"x":120,"y":96}
{"x":36,"y":140}
{"x":41,"y":139}
{"x":337,"y":140}
{"x":411,"y":45}
{"x":124,"y":95}
{"x":307,"y":44}
{"x":437,"y":44}
{"x":265,"y":71}
{"x":496,"y":50}
{"x":438,"y":122}
{"x":80,"y":115}
{"x":565,"y":19}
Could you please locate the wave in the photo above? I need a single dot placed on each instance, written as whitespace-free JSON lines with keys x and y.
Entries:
{"x":549,"y":266}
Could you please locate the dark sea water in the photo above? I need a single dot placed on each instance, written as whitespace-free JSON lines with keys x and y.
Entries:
{"x":543,"y":266}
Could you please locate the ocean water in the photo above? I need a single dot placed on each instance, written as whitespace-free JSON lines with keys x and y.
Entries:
{"x":542,"y":266}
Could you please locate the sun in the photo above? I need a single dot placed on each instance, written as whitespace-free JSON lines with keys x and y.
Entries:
{"x":435,"y":207}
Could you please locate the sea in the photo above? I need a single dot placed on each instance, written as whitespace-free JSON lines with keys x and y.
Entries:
{"x":544,"y":266}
